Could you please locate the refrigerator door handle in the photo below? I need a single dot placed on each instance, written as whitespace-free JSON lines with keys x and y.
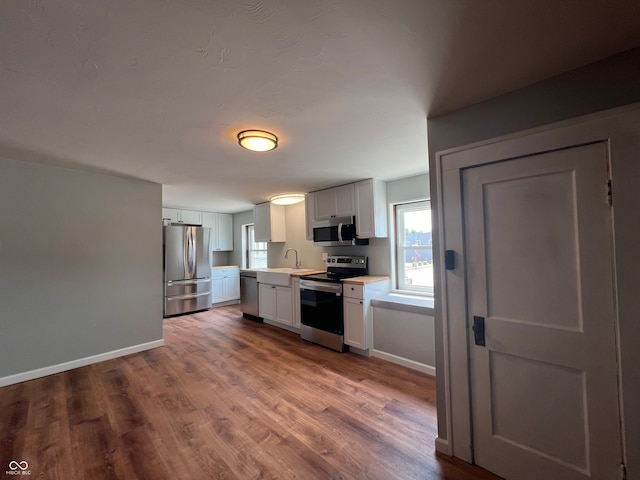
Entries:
{"x":188,"y":295}
{"x":189,"y":282}
{"x":189,"y":252}
{"x":185,"y":253}
{"x":192,"y":269}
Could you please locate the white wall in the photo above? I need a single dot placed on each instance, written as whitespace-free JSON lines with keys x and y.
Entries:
{"x":80,"y":266}
{"x":239,"y":219}
{"x":406,"y":336}
{"x":408,"y":189}
{"x":610,"y":83}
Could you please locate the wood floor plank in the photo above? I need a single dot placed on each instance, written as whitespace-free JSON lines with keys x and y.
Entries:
{"x":231,"y":398}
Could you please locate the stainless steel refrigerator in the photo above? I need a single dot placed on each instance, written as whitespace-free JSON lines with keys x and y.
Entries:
{"x":187,"y":269}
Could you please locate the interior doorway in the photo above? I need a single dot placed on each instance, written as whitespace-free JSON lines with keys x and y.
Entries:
{"x":540,"y":300}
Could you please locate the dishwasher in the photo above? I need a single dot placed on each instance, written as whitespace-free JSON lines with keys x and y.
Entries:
{"x":249,"y":294}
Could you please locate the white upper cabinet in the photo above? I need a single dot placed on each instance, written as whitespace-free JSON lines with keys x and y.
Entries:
{"x":371,"y":208}
{"x":221,"y":225}
{"x":225,"y":232}
{"x":269,"y":223}
{"x":188,"y":217}
{"x":335,"y":202}
{"x":345,"y":201}
{"x":367,"y":200}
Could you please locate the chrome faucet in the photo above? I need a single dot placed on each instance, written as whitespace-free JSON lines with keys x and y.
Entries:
{"x":298,"y":263}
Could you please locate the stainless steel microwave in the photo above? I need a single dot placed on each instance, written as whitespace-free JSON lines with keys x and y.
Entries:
{"x":335,"y":232}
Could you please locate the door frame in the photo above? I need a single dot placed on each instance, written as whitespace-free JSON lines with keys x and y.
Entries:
{"x":620,"y":128}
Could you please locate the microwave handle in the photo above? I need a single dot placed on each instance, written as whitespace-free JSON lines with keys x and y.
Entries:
{"x":340,"y":232}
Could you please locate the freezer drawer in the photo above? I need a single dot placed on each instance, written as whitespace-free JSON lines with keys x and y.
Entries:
{"x":188,"y":302}
{"x":183,"y":287}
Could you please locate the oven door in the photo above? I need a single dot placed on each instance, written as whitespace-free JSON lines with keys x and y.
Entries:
{"x":321,"y":306}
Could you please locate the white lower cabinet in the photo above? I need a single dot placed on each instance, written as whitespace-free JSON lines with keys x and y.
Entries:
{"x":225,"y":285}
{"x":358,"y":315}
{"x":275,"y":303}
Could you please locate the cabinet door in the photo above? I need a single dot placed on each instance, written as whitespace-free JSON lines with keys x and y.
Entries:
{"x":232,"y":287}
{"x":217,"y":289}
{"x":371,"y":209}
{"x":224,"y":232}
{"x":269,"y":223}
{"x":325,"y":204}
{"x":310,"y":213}
{"x":365,"y":227}
{"x":345,"y":203}
{"x":354,"y":326}
{"x":191,"y":217}
{"x":262,"y":222}
{"x":209,"y":220}
{"x":171,"y":214}
{"x":284,"y":306}
{"x":267,"y":301}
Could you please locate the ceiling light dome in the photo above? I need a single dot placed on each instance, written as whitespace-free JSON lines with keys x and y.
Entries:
{"x":287,"y":198}
{"x":257,"y":140}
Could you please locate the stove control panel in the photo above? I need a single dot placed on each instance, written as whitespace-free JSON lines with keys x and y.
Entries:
{"x":346,"y":261}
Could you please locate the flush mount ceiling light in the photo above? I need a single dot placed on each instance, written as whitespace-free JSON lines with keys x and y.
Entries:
{"x":257,"y":140}
{"x":287,"y":198}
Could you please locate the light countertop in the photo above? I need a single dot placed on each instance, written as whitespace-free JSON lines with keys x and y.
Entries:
{"x":292,"y":272}
{"x":364,"y":280}
{"x":308,"y":272}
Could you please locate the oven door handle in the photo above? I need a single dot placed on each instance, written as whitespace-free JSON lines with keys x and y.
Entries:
{"x":321,"y":287}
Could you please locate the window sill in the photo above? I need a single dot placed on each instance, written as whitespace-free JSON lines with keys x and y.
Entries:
{"x":405,"y":303}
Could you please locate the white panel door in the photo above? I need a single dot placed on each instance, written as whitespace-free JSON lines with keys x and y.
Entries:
{"x":539,"y":262}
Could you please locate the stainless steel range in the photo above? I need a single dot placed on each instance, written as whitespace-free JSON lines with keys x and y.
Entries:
{"x":321,"y":301}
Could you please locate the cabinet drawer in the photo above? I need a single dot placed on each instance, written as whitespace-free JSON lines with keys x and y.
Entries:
{"x":353,"y":291}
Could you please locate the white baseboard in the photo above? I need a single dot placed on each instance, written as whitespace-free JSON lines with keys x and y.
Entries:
{"x":442,"y":446}
{"x":405,"y":362}
{"x":81,"y":362}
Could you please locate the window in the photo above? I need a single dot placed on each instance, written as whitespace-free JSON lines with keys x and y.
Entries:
{"x":414,"y":255}
{"x":256,"y":252}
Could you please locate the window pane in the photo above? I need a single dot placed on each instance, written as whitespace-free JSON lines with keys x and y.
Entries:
{"x":414,"y":256}
{"x":256,"y":251}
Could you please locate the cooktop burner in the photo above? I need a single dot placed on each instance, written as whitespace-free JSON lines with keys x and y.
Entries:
{"x":328,"y":277}
{"x":340,"y":267}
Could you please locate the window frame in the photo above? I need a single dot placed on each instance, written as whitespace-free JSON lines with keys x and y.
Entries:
{"x":249,"y":247}
{"x":399,"y":249}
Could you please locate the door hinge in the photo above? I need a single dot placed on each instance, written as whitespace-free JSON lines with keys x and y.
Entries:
{"x":609,"y":193}
{"x":623,"y":472}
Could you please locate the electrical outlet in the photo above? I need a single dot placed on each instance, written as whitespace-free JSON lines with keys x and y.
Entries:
{"x":325,"y":255}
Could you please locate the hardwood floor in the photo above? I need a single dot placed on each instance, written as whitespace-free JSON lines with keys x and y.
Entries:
{"x":230,"y":398}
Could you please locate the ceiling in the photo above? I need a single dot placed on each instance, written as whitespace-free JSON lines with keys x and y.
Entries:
{"x":157,"y":90}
